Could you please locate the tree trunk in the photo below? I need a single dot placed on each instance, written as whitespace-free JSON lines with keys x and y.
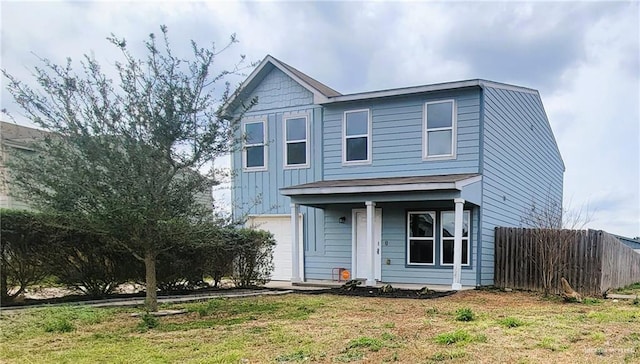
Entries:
{"x":151,"y":301}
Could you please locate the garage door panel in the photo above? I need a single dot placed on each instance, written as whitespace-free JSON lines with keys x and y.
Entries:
{"x":280,"y":227}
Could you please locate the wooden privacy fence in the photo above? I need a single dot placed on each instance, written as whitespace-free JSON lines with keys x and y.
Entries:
{"x":591,"y":261}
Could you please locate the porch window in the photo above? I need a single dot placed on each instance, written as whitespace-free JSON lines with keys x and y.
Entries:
{"x":254,"y":146}
{"x":420,"y":232}
{"x":296,"y":148}
{"x":356,"y":131}
{"x":439,"y":129}
{"x":447,"y":225}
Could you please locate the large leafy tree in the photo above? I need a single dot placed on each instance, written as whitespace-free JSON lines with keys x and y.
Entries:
{"x":125,"y":156}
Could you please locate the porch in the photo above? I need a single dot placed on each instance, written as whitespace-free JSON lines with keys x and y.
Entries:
{"x":409,"y":230}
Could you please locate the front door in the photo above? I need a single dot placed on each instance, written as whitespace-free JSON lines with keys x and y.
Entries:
{"x":361,"y":255}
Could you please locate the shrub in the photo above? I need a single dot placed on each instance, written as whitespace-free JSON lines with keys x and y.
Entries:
{"x":253,"y":256}
{"x":464,"y":314}
{"x":23,"y":251}
{"x":90,"y":263}
{"x":36,"y":245}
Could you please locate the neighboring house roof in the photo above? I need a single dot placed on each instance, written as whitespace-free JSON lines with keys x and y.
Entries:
{"x":395,"y":184}
{"x":19,"y":136}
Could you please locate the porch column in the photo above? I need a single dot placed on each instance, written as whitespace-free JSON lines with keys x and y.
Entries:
{"x":457,"y":245}
{"x":295,"y":246}
{"x":371,"y":274}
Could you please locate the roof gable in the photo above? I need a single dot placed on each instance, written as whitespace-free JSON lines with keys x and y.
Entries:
{"x":321,"y":92}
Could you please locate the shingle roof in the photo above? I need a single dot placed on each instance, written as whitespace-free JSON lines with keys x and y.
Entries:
{"x":322,"y":88}
{"x":380,"y":184}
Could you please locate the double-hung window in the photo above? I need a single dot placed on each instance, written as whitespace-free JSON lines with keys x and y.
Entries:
{"x":439,"y":129}
{"x":447,"y":223}
{"x":356,"y":141}
{"x":421,"y":247}
{"x":255,"y":156}
{"x":296,"y":148}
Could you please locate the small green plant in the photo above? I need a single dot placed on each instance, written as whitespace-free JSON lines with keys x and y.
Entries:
{"x":147,"y":322}
{"x":387,"y":288}
{"x":511,"y":322}
{"x":591,"y":301}
{"x":365,"y":342}
{"x":598,"y":336}
{"x":349,"y":356}
{"x":388,"y":336}
{"x":459,"y":336}
{"x":448,"y":355}
{"x":548,"y":343}
{"x":465,"y":314}
{"x":58,"y":324}
{"x":299,"y":355}
{"x":636,"y":301}
{"x":394,"y":357}
{"x":389,"y":325}
{"x":351,"y":285}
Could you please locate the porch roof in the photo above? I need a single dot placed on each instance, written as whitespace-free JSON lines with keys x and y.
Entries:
{"x":389,"y":184}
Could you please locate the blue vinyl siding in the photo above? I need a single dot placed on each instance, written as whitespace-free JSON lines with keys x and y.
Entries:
{"x":521,"y":164}
{"x":397,"y":127}
{"x":277,"y":90}
{"x":338,"y":245}
{"x":336,"y":249}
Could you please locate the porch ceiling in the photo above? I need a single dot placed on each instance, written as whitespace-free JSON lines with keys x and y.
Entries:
{"x":377,"y":185}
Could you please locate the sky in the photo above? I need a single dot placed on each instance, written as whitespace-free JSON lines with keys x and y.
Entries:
{"x":583,"y":57}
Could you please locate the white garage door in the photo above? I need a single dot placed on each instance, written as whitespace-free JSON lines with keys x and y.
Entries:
{"x":280,"y":227}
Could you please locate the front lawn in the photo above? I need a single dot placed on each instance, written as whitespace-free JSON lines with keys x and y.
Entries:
{"x":480,"y":326}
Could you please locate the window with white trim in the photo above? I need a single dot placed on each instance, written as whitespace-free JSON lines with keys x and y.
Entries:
{"x":255,"y":156}
{"x":356,"y":141}
{"x":296,"y":146}
{"x":447,"y":225}
{"x":421,"y":237}
{"x":439,"y":129}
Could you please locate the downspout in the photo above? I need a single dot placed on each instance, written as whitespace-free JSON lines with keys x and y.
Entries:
{"x":481,"y":171}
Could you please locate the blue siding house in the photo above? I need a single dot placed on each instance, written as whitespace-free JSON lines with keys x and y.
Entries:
{"x":396,"y":186}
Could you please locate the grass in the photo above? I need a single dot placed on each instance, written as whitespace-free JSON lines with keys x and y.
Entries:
{"x":507,"y":327}
{"x":632,"y":289}
{"x":511,"y":322}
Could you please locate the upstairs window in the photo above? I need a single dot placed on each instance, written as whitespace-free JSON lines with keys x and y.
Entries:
{"x":420,"y":233}
{"x":356,"y":129}
{"x":296,"y":148}
{"x":254,"y":147}
{"x":439,"y":133}
{"x":447,"y":221}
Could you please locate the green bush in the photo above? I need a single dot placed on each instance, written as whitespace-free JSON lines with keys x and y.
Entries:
{"x":24,"y":248}
{"x":253,"y":256}
{"x":90,"y":263}
{"x":464,"y":314}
